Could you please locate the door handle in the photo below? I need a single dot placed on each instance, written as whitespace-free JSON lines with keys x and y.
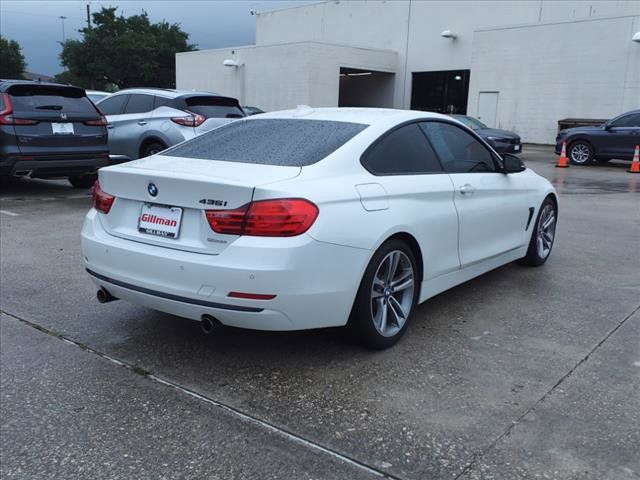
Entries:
{"x":467,"y":189}
{"x":142,"y":122}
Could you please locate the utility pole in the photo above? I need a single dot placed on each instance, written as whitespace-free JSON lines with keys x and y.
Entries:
{"x":63,"y":18}
{"x":88,"y":15}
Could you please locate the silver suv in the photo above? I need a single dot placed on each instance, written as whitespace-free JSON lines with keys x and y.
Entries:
{"x":145,"y":121}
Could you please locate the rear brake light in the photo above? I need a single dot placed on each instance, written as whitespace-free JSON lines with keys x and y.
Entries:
{"x":101,"y":122}
{"x":283,"y":217}
{"x":6,"y":117}
{"x":192,"y":120}
{"x":101,"y":201}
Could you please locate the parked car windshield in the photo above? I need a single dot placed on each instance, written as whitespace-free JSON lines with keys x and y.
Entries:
{"x":472,"y":123}
{"x":273,"y":141}
{"x":50,"y":98}
{"x":214,"y":107}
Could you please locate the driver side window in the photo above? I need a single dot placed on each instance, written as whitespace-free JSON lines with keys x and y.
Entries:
{"x":459,"y":151}
{"x":632,"y":120}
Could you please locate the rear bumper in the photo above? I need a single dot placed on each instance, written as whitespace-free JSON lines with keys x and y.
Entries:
{"x":117,"y":159}
{"x":315,"y":283}
{"x":45,"y":168}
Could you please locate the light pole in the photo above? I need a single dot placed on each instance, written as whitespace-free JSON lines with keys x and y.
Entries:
{"x":63,"y":18}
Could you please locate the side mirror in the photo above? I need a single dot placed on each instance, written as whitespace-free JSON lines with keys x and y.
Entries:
{"x":607,"y":126}
{"x":512,"y":163}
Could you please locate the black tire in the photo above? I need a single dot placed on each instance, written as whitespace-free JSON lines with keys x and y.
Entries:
{"x":580,"y":152}
{"x":152,"y":148}
{"x":534,"y":257}
{"x":361,"y":321}
{"x":83,"y":181}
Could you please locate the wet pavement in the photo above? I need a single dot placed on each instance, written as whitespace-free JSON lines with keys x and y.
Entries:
{"x":521,"y":373}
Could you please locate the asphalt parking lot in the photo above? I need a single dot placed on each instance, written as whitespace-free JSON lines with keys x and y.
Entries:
{"x":521,"y":373}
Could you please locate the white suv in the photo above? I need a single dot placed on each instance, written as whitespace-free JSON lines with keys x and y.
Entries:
{"x":145,"y":121}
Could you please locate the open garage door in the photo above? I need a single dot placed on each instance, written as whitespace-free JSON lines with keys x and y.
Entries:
{"x":444,"y":91}
{"x":365,"y":88}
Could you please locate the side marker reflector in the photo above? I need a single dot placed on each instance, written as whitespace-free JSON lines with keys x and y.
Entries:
{"x":251,"y":296}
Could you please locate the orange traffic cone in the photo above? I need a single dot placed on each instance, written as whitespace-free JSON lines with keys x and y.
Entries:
{"x":562,"y":161}
{"x":635,"y":164}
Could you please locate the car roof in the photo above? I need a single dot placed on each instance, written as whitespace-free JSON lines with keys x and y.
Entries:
{"x":368,"y":116}
{"x":5,"y":84}
{"x":165,"y":92}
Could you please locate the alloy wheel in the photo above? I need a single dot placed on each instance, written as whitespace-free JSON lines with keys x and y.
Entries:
{"x":580,"y":153}
{"x":392,"y":293}
{"x":546,"y":231}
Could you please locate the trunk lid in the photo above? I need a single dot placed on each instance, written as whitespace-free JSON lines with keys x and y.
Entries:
{"x":217,"y":185}
{"x":60,"y":113}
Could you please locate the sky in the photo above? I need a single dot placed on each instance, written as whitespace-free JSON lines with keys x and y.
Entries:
{"x":210,"y":23}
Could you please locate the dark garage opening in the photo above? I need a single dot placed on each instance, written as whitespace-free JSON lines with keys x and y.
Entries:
{"x":365,"y":88}
{"x":444,"y":91}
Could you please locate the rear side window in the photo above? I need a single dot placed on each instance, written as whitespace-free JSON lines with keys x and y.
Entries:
{"x":139,"y":103}
{"x":161,"y":102}
{"x":273,"y":141}
{"x":113,"y":105}
{"x":458,"y":150}
{"x":30,"y":98}
{"x":403,"y":151}
{"x":214,"y":107}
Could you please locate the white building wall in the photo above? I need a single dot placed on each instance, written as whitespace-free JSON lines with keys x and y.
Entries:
{"x":543,"y":73}
{"x":274,"y":77}
{"x":412,"y":28}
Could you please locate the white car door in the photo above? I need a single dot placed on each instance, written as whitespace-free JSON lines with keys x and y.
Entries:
{"x":419,"y":193}
{"x":493,"y":207}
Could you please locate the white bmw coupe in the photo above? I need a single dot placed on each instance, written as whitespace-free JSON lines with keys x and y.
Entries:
{"x":314,"y":218}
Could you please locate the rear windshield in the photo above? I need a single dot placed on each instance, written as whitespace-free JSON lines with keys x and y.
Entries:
{"x":214,"y":107}
{"x":44,"y":98}
{"x":272,"y":141}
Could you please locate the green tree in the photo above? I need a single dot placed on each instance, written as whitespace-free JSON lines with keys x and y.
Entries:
{"x":12,"y":64}
{"x":125,"y":51}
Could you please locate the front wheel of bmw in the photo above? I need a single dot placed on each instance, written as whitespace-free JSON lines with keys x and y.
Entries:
{"x":387,"y":296}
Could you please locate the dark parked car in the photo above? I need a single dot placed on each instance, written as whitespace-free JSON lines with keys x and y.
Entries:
{"x":615,"y":139}
{"x":502,"y":141}
{"x":49,"y":130}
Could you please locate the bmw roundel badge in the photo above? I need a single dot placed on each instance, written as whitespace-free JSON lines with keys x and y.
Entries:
{"x":152,"y":189}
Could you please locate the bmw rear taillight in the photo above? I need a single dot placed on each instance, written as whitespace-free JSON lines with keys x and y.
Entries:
{"x":282,"y":217}
{"x":101,"y":201}
{"x":6,"y":115}
{"x":191,"y":120}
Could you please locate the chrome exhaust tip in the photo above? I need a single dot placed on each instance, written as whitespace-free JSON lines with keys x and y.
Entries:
{"x":208,"y":324}
{"x":104,"y":296}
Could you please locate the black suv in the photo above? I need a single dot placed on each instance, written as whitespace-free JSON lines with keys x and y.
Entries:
{"x":615,"y":139}
{"x":49,"y":130}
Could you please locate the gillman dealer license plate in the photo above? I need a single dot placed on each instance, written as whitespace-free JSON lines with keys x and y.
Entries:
{"x":159,"y":220}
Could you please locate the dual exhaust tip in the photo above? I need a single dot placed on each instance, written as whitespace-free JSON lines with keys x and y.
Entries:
{"x":208,"y":323}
